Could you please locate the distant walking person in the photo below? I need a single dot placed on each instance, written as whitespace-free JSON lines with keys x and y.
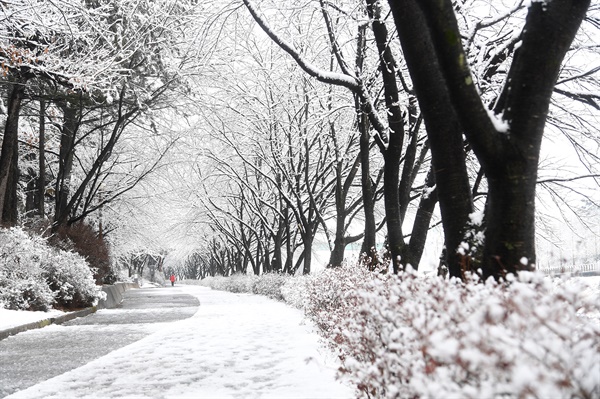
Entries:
{"x":172,"y":278}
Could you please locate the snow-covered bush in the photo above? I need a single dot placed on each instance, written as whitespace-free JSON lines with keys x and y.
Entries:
{"x":235,"y":283}
{"x":35,"y":276}
{"x":22,"y":283}
{"x":282,"y":287}
{"x":269,"y":284}
{"x":71,"y":279}
{"x":416,"y":336}
{"x":84,"y":240}
{"x":327,"y":293}
{"x":24,"y":293}
{"x":205,"y":282}
{"x":266,"y":284}
{"x":294,"y":291}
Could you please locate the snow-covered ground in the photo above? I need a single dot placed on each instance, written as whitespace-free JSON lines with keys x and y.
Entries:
{"x":14,"y":318}
{"x":235,"y":346}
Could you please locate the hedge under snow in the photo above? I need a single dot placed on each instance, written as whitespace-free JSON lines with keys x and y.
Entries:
{"x":421,"y":336}
{"x":35,"y":276}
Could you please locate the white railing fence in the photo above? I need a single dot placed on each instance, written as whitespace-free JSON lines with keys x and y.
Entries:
{"x":586,"y":269}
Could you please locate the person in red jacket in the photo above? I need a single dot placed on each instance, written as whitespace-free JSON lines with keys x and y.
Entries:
{"x":172,"y":278}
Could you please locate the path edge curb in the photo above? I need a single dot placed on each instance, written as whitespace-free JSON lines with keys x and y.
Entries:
{"x":46,"y":322}
{"x":114,"y":296}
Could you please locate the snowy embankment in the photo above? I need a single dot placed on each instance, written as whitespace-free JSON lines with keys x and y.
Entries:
{"x":236,"y":345}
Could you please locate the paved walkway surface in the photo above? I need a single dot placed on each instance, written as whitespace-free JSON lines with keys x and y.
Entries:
{"x":37,"y":355}
{"x":160,"y":344}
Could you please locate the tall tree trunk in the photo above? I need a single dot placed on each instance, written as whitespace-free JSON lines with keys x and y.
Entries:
{"x":393,"y":153}
{"x":267,"y":263}
{"x":336,"y":257}
{"x":307,"y":241}
{"x":410,"y":167}
{"x":289,"y":251}
{"x":369,"y":246}
{"x":41,"y":181}
{"x":9,"y":156}
{"x":510,"y":220}
{"x":65,"y":165}
{"x":508,"y":154}
{"x":510,"y":214}
{"x":30,"y":188}
{"x":342,"y":187}
{"x":391,"y":179}
{"x":30,"y":157}
{"x":443,"y":128}
{"x":276,"y":262}
{"x":420,"y":229}
{"x":259,"y":257}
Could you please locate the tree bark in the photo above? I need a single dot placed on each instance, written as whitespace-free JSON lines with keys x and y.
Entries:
{"x":420,"y":229}
{"x":408,"y":168}
{"x":339,"y":244}
{"x":277,"y":262}
{"x":30,"y":191}
{"x":443,"y":128}
{"x":369,"y":245}
{"x":508,"y":155}
{"x":391,"y":194}
{"x":9,"y":156}
{"x":289,"y":250}
{"x":393,"y":153}
{"x":307,"y":242}
{"x":41,"y":181}
{"x":510,"y":234}
{"x":65,"y":164}
{"x":342,"y":210}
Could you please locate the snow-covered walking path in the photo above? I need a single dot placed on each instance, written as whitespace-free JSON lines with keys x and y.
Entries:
{"x":235,"y":346}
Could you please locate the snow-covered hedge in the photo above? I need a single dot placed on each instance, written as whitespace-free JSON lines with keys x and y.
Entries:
{"x":424,"y":336}
{"x":35,"y":276}
{"x":295,"y":291}
{"x":327,"y":293}
{"x":235,"y":283}
{"x":269,"y":284}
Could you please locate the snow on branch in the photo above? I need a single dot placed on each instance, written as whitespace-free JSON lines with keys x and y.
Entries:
{"x":321,"y":75}
{"x":338,"y":79}
{"x":93,"y":48}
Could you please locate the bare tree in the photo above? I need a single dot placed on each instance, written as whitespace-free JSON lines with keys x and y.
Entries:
{"x":508,"y":146}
